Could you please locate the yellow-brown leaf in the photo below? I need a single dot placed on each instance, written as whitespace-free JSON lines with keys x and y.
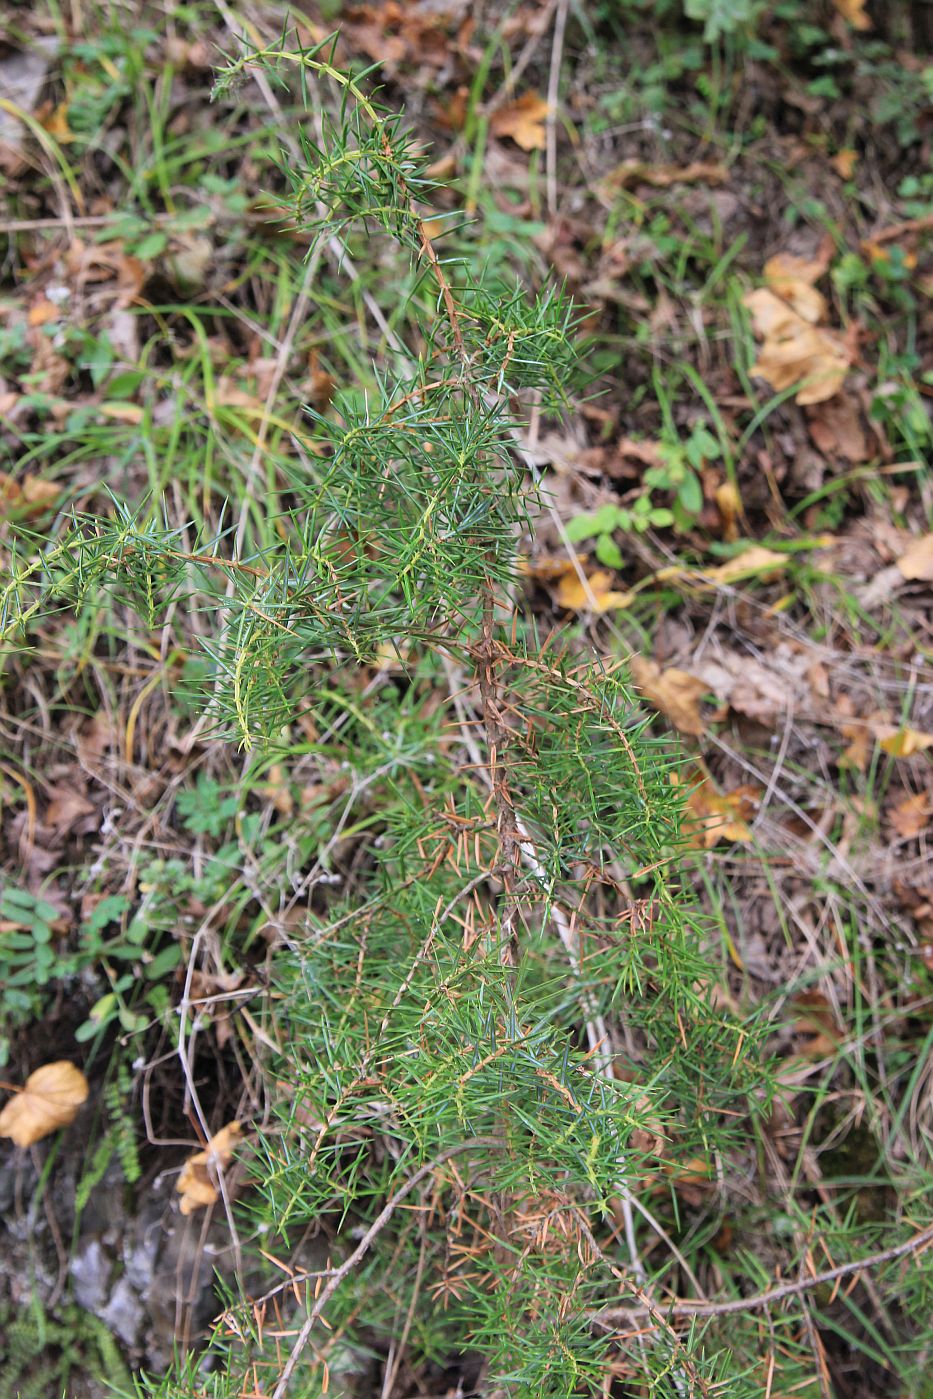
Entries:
{"x":596,"y":595}
{"x":26,"y":498}
{"x":198,"y":1185}
{"x":793,"y":280}
{"x":634,"y":172}
{"x":547,"y":567}
{"x":904,"y":742}
{"x":56,"y":124}
{"x":523,"y":120}
{"x":844,"y":162}
{"x":49,"y":1099}
{"x":854,"y":12}
{"x":916,"y":563}
{"x":711,"y":816}
{"x":911,"y":815}
{"x":835,"y":428}
{"x":676,"y":693}
{"x":122,"y":412}
{"x":796,"y":351}
{"x":756,"y":559}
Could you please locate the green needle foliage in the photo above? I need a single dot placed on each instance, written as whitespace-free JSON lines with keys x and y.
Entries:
{"x":496,"y":1020}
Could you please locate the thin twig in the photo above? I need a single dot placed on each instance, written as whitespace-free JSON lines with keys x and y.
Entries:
{"x":11,"y":226}
{"x":553,"y":93}
{"x":694,"y":1307}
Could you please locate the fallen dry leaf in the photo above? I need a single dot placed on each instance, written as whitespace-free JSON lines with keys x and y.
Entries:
{"x":844,"y":162}
{"x":56,"y":124}
{"x":711,"y":816}
{"x":546,"y":567}
{"x":835,"y":428}
{"x":818,"y":679}
{"x":26,"y":498}
{"x":917,"y":901}
{"x":817,"y":1030}
{"x":796,"y":351}
{"x":857,"y":733}
{"x":197,"y":1185}
{"x":911,"y":815}
{"x":765,"y":687}
{"x":183,"y":53}
{"x":729,"y":505}
{"x":693,"y":1181}
{"x":916,"y":563}
{"x":756,"y":559}
{"x":107,"y":262}
{"x":277,"y":791}
{"x":794,"y":280}
{"x":523,"y":120}
{"x":321,"y":385}
{"x":49,"y":1099}
{"x":903,"y":742}
{"x":395,"y":34}
{"x":43,"y":312}
{"x":676,"y":693}
{"x":858,"y":746}
{"x":229,"y":394}
{"x":648,"y":453}
{"x":596,"y":596}
{"x":206,"y":984}
{"x":66,"y":809}
{"x":854,"y":12}
{"x":122,"y":412}
{"x":188,"y":261}
{"x":790,"y":268}
{"x":97,"y":736}
{"x":634,"y":172}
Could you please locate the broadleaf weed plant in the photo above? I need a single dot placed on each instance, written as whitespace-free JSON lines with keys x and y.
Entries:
{"x":499,"y":1035}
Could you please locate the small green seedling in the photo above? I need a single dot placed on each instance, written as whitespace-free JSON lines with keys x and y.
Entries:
{"x":677,"y":473}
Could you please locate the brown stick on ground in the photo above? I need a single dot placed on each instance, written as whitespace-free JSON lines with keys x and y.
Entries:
{"x":688,"y":1307}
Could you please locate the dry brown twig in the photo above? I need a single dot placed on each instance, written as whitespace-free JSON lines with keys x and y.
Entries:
{"x":687,"y":1307}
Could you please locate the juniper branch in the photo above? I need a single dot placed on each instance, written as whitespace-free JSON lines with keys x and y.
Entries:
{"x":365,"y":1244}
{"x":427,"y":1004}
